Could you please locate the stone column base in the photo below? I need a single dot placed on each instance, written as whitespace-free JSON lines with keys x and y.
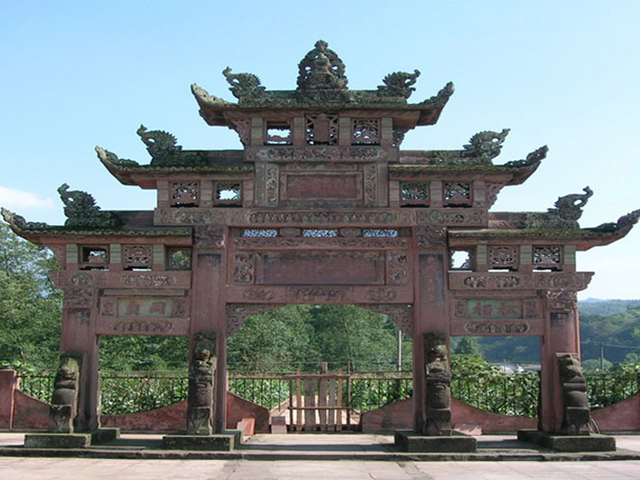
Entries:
{"x":408,"y":441}
{"x":222,"y":442}
{"x":569,"y":443}
{"x":70,"y":440}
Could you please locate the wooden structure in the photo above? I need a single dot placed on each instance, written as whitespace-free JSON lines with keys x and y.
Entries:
{"x":322,"y":206}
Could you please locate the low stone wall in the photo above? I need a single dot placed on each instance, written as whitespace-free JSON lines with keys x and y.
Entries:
{"x":29,"y":414}
{"x":623,"y":416}
{"x":20,"y":412}
{"x":399,"y":416}
{"x":173,"y":418}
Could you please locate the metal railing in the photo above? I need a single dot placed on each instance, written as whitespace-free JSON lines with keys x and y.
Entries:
{"x":507,"y":394}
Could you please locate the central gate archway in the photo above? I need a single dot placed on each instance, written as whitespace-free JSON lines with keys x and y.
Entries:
{"x":321,"y":206}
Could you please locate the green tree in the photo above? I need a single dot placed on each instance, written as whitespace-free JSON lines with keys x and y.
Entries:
{"x":467,"y":346}
{"x":275,"y":341}
{"x":354,"y":338}
{"x":30,"y":305}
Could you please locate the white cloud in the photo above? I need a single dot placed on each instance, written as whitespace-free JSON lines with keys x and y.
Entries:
{"x":17,"y":199}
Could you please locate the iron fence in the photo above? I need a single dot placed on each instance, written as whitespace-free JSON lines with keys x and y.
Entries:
{"x":507,"y":394}
{"x":608,"y":387}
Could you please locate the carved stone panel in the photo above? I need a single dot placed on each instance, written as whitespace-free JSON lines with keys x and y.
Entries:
{"x":494,"y":328}
{"x":325,"y":186}
{"x":142,"y":326}
{"x":320,"y":268}
{"x":144,"y":307}
{"x":243,"y":268}
{"x":78,"y":297}
{"x":398,"y":268}
{"x":496,"y":309}
{"x":402,"y":314}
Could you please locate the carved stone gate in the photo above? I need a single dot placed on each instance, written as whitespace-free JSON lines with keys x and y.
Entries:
{"x":321,"y":206}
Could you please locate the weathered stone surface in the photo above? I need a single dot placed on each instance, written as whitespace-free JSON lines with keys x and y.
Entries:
{"x":201,"y":403}
{"x":224,"y":442}
{"x":569,"y":443}
{"x":438,"y":374}
{"x":408,"y":441}
{"x":64,"y":403}
{"x":57,"y":440}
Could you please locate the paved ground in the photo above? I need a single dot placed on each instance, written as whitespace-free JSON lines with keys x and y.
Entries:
{"x":27,"y":468}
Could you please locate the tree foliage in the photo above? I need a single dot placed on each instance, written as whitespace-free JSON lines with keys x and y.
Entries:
{"x":30,"y":305}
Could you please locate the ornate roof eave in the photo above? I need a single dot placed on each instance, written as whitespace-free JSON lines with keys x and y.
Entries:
{"x":129,"y":172}
{"x":456,"y":162}
{"x":216,"y":111}
{"x":511,"y":175}
{"x":43,"y":234}
{"x":582,"y":238}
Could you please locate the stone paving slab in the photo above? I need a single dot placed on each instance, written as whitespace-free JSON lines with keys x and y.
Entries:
{"x":320,"y":447}
{"x":21,"y":468}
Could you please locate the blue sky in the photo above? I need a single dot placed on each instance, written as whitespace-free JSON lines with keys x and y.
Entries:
{"x":76,"y":74}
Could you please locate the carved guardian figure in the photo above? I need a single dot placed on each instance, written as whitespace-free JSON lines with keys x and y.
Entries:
{"x":438,"y":374}
{"x":201,"y":403}
{"x":575,"y":403}
{"x":64,"y":402}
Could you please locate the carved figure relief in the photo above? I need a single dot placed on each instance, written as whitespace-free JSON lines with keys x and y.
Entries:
{"x":438,"y":376}
{"x":489,"y":282}
{"x":313,"y":294}
{"x":137,"y":256}
{"x":271,"y":185}
{"x":64,"y":402}
{"x":78,"y":297}
{"x":402,"y":314}
{"x":185,"y":194}
{"x":576,"y":414}
{"x":211,"y":236}
{"x":397,"y":268}
{"x":258,"y":294}
{"x":143,"y":326}
{"x":562,"y":299}
{"x":201,"y":402}
{"x":147,"y":281}
{"x":503,"y":257}
{"x":381,"y":294}
{"x":497,"y":327}
{"x":370,"y":184}
{"x":243,"y":268}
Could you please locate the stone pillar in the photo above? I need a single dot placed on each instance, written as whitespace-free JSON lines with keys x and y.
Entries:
{"x":208,"y":312}
{"x":431,"y":309}
{"x":438,"y":383}
{"x":79,"y":314}
{"x":561,"y":336}
{"x":8,"y":386}
{"x":64,"y":402}
{"x":202,"y":391}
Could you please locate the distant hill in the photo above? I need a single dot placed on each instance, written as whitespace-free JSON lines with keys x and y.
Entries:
{"x":595,"y":306}
{"x":611,"y":322}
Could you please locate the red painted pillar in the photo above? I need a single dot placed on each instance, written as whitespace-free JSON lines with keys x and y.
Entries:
{"x":561,"y":336}
{"x":8,"y":386}
{"x":79,"y":315}
{"x":431,"y":307}
{"x":208,"y":307}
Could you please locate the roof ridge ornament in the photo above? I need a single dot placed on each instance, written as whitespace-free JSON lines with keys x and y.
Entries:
{"x":244,"y":85}
{"x":398,"y":84}
{"x":486,"y":144}
{"x":565,"y":214}
{"x":161,"y":145}
{"x":321,"y":76}
{"x":81,"y":210}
